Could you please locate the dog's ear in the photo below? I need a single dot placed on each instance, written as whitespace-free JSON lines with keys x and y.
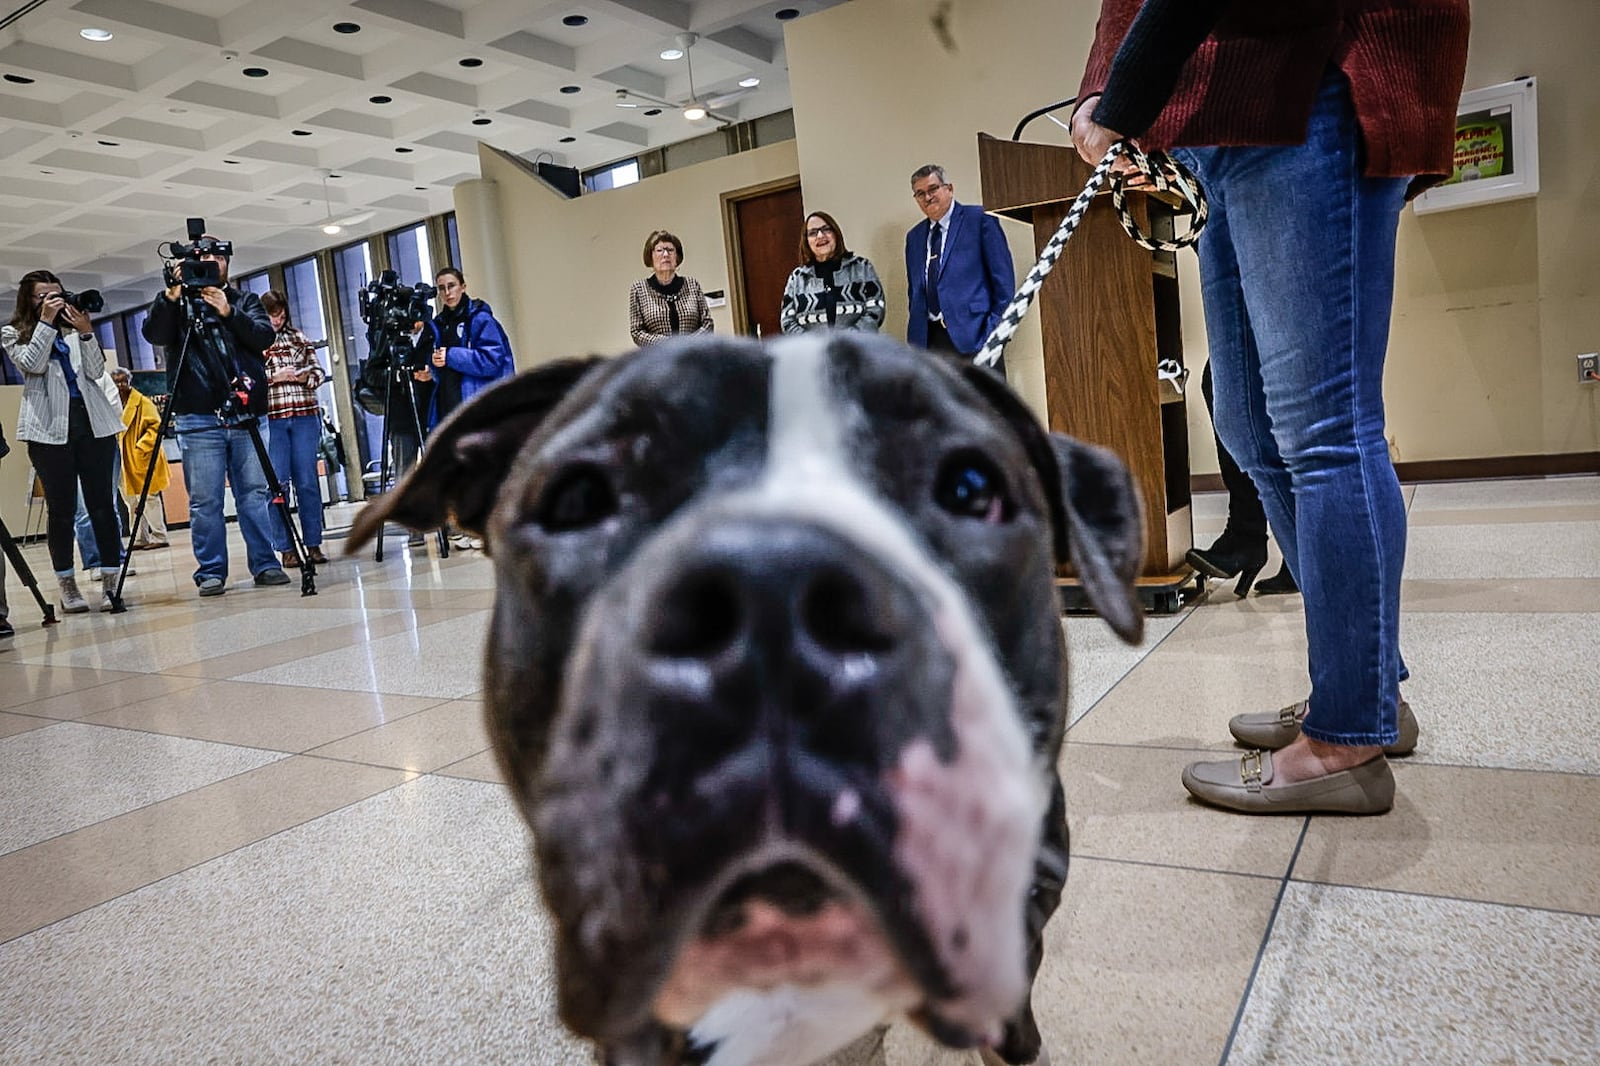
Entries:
{"x":467,"y":456}
{"x":1095,"y":509}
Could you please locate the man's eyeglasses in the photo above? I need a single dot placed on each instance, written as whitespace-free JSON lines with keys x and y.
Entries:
{"x":819,"y":231}
{"x":922,"y":196}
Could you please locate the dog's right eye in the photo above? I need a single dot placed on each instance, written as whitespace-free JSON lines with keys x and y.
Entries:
{"x":577,"y":499}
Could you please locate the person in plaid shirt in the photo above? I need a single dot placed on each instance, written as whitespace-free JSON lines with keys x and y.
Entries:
{"x":295,"y":419}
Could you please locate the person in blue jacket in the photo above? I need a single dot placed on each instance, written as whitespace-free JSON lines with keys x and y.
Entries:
{"x":958,"y":269}
{"x":471,"y":350}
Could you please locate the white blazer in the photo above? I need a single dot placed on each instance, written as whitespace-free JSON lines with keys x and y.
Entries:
{"x":43,"y":418}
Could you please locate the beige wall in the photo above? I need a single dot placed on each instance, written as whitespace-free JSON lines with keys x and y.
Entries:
{"x":1492,"y":303}
{"x":573,"y":260}
{"x":13,"y":468}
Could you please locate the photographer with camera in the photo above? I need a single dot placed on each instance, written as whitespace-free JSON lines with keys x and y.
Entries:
{"x":214,"y":405}
{"x":293,"y":377}
{"x":67,"y":420}
{"x":471,"y":353}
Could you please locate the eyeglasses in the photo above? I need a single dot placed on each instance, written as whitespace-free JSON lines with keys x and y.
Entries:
{"x":922,"y":196}
{"x":819,"y":231}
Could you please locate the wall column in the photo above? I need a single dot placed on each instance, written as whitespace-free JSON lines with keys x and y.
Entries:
{"x":481,"y":230}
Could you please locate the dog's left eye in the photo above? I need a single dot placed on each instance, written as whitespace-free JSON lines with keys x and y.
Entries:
{"x":576,"y":499}
{"x":969,"y":486}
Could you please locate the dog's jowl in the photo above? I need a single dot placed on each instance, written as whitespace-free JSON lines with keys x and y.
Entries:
{"x":777,"y":678}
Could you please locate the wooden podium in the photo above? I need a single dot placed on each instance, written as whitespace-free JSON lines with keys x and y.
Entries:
{"x":1109,"y":313}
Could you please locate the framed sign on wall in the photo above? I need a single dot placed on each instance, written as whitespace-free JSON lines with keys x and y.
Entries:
{"x":1497,"y":149}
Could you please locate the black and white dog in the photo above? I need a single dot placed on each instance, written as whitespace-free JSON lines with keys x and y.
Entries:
{"x":777,"y":677}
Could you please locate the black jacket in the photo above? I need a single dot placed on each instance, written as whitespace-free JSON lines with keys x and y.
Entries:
{"x":246,"y":333}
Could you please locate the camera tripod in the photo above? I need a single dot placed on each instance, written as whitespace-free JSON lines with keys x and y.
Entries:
{"x":233,"y":414}
{"x":14,"y":553}
{"x":400,"y":373}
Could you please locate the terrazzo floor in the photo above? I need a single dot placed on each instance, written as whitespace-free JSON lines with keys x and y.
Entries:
{"x":267,"y":829}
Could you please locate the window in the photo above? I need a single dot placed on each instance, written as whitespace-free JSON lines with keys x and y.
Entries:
{"x":614,"y":176}
{"x":352,"y":269}
{"x":409,"y":255}
{"x":257,"y":283}
{"x":452,"y":239}
{"x":105,"y":332}
{"x":302,"y":284}
{"x":141,"y":355}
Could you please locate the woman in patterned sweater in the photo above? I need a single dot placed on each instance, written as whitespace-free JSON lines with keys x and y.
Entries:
{"x":665,"y":303}
{"x":832,"y":288}
{"x":293,"y":375}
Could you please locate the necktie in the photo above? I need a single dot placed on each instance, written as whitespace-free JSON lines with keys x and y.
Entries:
{"x":935,"y":246}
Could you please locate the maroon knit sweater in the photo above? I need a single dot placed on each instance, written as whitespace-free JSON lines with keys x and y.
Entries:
{"x":1254,"y":80}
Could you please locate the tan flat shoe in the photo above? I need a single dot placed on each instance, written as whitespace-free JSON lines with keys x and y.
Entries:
{"x":1271,"y":730}
{"x":1245,"y":784}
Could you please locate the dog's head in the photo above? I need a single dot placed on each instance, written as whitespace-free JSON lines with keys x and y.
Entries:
{"x":776,"y":671}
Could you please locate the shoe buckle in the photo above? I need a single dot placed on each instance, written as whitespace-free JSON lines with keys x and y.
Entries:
{"x":1292,"y":715}
{"x":1250,"y":770}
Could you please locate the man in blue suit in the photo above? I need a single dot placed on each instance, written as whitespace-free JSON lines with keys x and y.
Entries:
{"x":958,"y":269}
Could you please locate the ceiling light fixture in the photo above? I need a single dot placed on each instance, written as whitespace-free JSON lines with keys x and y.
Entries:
{"x":671,"y":54}
{"x":380,"y":99}
{"x":694,"y":112}
{"x":654,"y":111}
{"x":18,"y":79}
{"x":568,"y":90}
{"x":470,"y":61}
{"x":575,"y":20}
{"x":254,"y":72}
{"x":177,"y":110}
{"x":95,"y":33}
{"x":568,"y":140}
{"x":749,"y":83}
{"x":346,"y":27}
{"x":787,"y":13}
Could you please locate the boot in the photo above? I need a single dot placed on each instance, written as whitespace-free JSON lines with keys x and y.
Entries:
{"x":72,"y":601}
{"x":1279,"y":584}
{"x":1231,"y":554}
{"x":290,"y":560}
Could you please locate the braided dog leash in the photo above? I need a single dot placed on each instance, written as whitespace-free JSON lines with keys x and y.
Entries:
{"x":1163,"y":173}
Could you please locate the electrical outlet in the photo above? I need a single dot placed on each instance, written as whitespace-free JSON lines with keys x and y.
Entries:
{"x":1589,"y":368}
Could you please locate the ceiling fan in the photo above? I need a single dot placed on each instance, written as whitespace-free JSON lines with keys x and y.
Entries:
{"x":328,"y":223}
{"x":697,"y":107}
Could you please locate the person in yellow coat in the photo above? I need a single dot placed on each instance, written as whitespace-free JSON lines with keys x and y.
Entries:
{"x":140,"y":441}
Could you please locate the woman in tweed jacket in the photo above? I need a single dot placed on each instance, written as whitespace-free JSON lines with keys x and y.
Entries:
{"x":832,"y":288}
{"x":665,"y":303}
{"x":70,"y":424}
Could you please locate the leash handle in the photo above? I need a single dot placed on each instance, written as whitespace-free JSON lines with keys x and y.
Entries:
{"x":1163,"y":173}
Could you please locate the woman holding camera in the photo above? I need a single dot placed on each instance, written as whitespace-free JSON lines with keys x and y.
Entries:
{"x":70,"y":424}
{"x":293,"y":376}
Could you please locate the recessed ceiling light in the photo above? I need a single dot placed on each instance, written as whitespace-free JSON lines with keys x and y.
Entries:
{"x":231,"y":162}
{"x":749,"y":83}
{"x":653,"y":111}
{"x":254,"y":72}
{"x":18,"y":79}
{"x":568,"y":90}
{"x":403,"y":149}
{"x":786,"y":13}
{"x":301,"y":133}
{"x":346,"y":27}
{"x":381,"y":99}
{"x":670,"y":54}
{"x":109,"y":144}
{"x":46,"y":171}
{"x":471,"y":61}
{"x":335,"y":175}
{"x":480,"y":121}
{"x":575,"y":20}
{"x":177,"y":110}
{"x":94,"y":33}
{"x":420,"y":188}
{"x":568,"y":140}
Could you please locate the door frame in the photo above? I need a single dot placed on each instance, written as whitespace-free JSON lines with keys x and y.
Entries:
{"x":730,"y":229}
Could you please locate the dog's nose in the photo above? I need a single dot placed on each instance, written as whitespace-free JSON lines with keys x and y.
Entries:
{"x":778,"y":595}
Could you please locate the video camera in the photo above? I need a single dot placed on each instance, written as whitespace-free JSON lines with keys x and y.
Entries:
{"x":189,"y":270}
{"x":387,"y":305}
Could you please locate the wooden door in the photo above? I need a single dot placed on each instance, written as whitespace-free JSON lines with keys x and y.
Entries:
{"x":766,"y":240}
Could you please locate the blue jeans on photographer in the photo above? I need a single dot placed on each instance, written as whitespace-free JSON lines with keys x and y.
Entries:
{"x":1297,"y":277}
{"x":293,"y":447}
{"x":214,"y":454}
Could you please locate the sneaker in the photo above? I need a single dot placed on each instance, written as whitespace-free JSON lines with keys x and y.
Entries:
{"x":6,"y":630}
{"x":1271,"y":730}
{"x":72,"y":601}
{"x":462,"y":542}
{"x":272,"y":577}
{"x":213,"y":586}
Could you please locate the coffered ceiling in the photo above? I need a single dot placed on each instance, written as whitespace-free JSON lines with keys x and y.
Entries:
{"x":268,"y":116}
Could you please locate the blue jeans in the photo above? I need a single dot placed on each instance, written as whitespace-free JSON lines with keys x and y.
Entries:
{"x":1297,"y":276}
{"x":293,"y":447}
{"x":212,"y":455}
